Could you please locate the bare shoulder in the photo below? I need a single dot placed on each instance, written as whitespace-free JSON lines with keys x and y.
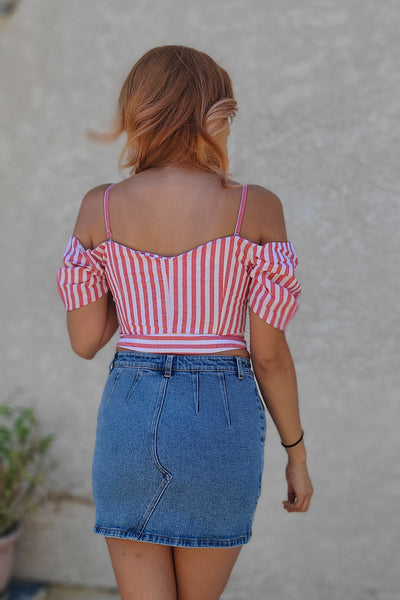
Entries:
{"x":89,"y":227}
{"x":267,"y":212}
{"x":92,"y":202}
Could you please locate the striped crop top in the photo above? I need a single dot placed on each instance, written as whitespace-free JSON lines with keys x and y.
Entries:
{"x":192,"y":303}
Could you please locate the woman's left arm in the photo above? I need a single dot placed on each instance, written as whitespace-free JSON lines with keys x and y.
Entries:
{"x":91,"y":326}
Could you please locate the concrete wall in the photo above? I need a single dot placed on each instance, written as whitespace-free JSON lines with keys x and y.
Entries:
{"x":318,"y":89}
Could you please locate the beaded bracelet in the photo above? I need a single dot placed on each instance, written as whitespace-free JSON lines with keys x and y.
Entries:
{"x":295,"y":444}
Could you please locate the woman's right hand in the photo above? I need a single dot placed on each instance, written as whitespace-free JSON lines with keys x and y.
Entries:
{"x":300,"y":488}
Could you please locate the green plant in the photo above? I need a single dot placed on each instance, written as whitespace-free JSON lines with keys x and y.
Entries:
{"x":22,"y":454}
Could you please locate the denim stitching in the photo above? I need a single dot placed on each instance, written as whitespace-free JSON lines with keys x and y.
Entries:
{"x":117,"y":376}
{"x":153,"y":504}
{"x":225,"y":398}
{"x":189,"y":370}
{"x":195,"y":380}
{"x":201,"y":542}
{"x":166,"y":475}
{"x":133,"y":385}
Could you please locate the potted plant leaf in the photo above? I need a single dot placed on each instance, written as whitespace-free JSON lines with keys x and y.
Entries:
{"x":22,"y":471}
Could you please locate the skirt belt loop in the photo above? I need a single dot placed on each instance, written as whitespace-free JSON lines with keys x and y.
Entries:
{"x":239,"y":366}
{"x":168,"y":365}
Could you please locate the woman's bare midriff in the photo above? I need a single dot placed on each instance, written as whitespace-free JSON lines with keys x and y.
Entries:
{"x":229,"y":352}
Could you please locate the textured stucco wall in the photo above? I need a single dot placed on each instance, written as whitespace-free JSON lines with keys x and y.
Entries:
{"x":318,"y":89}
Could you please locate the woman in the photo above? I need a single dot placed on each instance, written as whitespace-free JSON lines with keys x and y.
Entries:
{"x":172,"y":256}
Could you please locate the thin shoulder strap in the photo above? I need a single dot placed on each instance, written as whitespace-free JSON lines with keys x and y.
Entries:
{"x":241,"y":210}
{"x":106,"y":212}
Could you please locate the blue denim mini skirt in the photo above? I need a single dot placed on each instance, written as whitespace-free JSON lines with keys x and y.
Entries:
{"x":179,"y":450}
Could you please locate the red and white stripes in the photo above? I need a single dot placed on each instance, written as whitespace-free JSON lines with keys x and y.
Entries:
{"x":82,"y":278}
{"x":191,"y":303}
{"x":186,"y":302}
{"x":274,"y":287}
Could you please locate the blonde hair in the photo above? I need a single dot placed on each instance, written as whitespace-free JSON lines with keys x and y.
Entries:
{"x":174,"y":100}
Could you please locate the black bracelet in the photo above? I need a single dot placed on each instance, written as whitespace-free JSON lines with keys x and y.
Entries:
{"x":295,"y":444}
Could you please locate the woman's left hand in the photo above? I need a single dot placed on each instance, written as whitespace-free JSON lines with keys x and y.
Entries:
{"x":300,"y":488}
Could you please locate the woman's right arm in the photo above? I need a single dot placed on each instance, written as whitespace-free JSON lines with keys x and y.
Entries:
{"x":276,"y":377}
{"x":91,"y":317}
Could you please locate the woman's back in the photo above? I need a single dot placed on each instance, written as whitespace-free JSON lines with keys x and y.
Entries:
{"x":171,"y":210}
{"x":182,"y":268}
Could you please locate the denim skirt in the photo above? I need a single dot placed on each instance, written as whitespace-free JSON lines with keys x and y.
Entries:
{"x":179,"y":450}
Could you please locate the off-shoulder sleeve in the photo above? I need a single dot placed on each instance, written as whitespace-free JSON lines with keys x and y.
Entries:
{"x":82,"y":279}
{"x":273,"y":287}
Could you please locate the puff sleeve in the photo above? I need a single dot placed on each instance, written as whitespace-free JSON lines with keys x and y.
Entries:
{"x":274,"y":289}
{"x":82,"y":279}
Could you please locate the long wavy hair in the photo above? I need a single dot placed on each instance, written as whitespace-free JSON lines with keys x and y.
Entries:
{"x":171,"y":105}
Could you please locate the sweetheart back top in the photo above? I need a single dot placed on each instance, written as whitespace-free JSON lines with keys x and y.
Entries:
{"x":192,"y":303}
